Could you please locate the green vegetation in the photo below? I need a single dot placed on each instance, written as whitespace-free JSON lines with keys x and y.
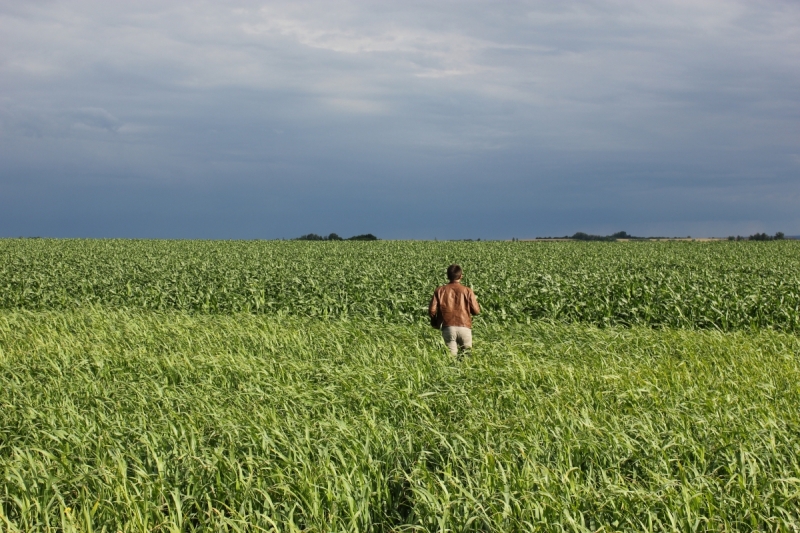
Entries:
{"x":295,"y":386}
{"x":151,"y":421}
{"x":335,"y":237}
{"x":721,"y":285}
{"x":581,"y":236}
{"x":760,"y":237}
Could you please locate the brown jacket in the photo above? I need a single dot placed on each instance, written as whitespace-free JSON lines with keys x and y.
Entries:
{"x":456,"y":303}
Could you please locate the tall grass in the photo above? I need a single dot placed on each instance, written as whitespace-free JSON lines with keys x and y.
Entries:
{"x":726,"y":286}
{"x":165,"y":421}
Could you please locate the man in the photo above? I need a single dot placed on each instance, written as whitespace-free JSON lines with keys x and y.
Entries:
{"x":455,"y":304}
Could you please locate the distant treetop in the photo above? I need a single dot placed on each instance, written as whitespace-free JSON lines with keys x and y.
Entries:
{"x":335,"y":237}
{"x":365,"y":237}
{"x":581,"y":236}
{"x":764,"y":237}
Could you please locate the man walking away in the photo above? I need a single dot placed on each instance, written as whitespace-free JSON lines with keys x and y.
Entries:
{"x":454,"y":304}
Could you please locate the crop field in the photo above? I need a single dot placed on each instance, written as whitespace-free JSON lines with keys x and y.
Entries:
{"x":726,"y":286}
{"x":284,"y":386}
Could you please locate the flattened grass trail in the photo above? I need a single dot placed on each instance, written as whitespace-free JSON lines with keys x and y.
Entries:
{"x":167,"y":421}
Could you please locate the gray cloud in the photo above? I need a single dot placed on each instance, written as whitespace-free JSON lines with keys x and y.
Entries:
{"x":252,"y":119}
{"x":95,"y":118}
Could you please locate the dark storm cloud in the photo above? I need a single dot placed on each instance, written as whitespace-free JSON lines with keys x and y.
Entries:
{"x":406,"y":119}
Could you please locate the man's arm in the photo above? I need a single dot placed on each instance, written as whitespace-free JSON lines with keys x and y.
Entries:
{"x":433,"y":307}
{"x":474,"y":308}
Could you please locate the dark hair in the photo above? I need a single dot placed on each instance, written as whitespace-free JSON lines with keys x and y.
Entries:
{"x":453,"y":272}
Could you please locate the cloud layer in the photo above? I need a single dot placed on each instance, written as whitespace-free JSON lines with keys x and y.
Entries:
{"x":404,"y":119}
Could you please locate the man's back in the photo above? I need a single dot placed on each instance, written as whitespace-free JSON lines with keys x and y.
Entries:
{"x":456,"y":303}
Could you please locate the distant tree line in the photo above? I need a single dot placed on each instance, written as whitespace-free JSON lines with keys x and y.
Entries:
{"x":335,"y":237}
{"x":759,"y":237}
{"x":581,"y":236}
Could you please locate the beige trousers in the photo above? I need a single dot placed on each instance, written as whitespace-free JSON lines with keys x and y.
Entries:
{"x":456,"y":337}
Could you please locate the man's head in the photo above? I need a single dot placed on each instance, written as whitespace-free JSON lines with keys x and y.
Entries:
{"x":454,"y":273}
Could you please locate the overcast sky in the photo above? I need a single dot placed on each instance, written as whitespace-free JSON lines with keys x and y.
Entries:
{"x":406,"y":119}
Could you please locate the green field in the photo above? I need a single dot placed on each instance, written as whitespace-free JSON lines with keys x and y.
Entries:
{"x":720,"y":285}
{"x":283,"y":386}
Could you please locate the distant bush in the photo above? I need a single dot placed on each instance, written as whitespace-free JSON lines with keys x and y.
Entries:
{"x":311,"y":237}
{"x":581,"y":236}
{"x":365,"y":237}
{"x":335,"y":237}
{"x":764,"y":237}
